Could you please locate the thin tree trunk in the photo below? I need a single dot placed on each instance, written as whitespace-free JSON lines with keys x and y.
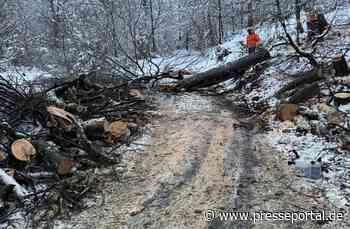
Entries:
{"x":212,"y":39}
{"x":154,"y":48}
{"x":233,"y":16}
{"x":221,"y":26}
{"x":251,"y":21}
{"x":242,"y":14}
{"x":187,"y":41}
{"x":299,"y":27}
{"x":114,"y":31}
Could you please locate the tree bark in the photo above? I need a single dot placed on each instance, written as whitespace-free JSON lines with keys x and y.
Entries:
{"x":305,"y":93}
{"x":299,"y":28}
{"x":223,"y":73}
{"x":342,"y":98}
{"x":302,"y":78}
{"x":153,"y":29}
{"x":221,"y":25}
{"x":340,"y":65}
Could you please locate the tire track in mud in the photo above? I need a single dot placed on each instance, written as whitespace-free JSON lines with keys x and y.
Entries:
{"x":242,"y":194}
{"x":193,"y":173}
{"x":264,"y":183}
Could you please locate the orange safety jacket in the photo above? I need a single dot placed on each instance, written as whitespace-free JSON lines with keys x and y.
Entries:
{"x":252,"y":40}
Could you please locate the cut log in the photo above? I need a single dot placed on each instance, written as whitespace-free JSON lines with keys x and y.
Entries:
{"x":342,"y":98}
{"x":9,"y":180}
{"x":60,"y":118}
{"x":23,"y":150}
{"x":68,"y":123}
{"x":287,"y":112}
{"x":115,"y":131}
{"x":308,"y":77}
{"x":340,"y":65}
{"x":305,"y":93}
{"x":223,"y":73}
{"x":89,"y":148}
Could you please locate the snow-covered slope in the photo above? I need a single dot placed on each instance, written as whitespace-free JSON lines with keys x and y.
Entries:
{"x":269,"y":33}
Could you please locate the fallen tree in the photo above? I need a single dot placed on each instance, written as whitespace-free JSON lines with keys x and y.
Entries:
{"x":308,"y":91}
{"x":301,"y":79}
{"x":223,"y":73}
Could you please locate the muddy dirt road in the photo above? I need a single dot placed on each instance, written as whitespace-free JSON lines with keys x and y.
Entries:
{"x":195,"y":159}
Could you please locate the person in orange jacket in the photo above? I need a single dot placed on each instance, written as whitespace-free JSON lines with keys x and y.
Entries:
{"x":252,"y":41}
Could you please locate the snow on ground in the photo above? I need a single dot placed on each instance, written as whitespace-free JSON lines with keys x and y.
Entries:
{"x":23,"y":74}
{"x":273,"y":79}
{"x":284,"y":136}
{"x":285,"y":139}
{"x":278,"y":73}
{"x":198,"y":62}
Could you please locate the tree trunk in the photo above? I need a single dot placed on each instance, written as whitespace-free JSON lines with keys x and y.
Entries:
{"x":212,"y":39}
{"x":154,"y":48}
{"x":251,"y":15}
{"x":233,"y":17}
{"x":187,"y":41}
{"x":301,"y":79}
{"x":340,"y":65}
{"x":305,"y":93}
{"x":223,"y":73}
{"x":299,"y":27}
{"x":114,"y":29}
{"x":221,"y":25}
{"x":242,"y":14}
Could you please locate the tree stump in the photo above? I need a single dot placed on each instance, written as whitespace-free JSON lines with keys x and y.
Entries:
{"x":287,"y":112}
{"x":316,"y":24}
{"x":23,"y":150}
{"x":342,"y":98}
{"x":340,"y":65}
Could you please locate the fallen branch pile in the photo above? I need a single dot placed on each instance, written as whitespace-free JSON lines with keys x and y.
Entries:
{"x":49,"y":135}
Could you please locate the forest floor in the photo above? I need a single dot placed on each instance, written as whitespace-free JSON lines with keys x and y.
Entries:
{"x":196,"y":157}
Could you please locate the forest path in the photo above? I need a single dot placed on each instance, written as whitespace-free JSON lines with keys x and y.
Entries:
{"x":196,"y":159}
